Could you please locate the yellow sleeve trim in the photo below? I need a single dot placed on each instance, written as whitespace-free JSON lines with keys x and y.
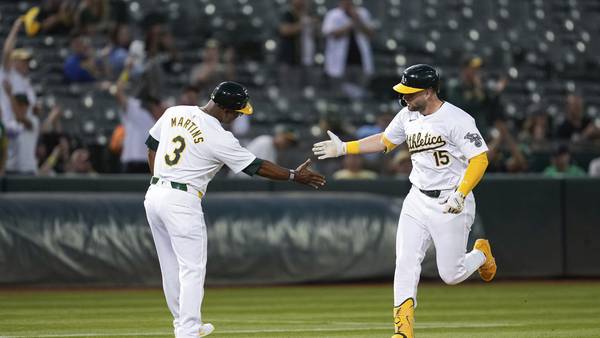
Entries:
{"x":389,"y":146}
{"x":352,"y":147}
{"x":474,"y":173}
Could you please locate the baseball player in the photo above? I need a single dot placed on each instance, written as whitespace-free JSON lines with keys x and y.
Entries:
{"x":186,"y":148}
{"x":449,"y":158}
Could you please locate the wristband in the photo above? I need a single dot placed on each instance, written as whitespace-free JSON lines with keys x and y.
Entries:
{"x":352,"y":147}
{"x":292,"y":174}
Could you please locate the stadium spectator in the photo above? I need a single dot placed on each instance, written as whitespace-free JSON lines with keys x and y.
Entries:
{"x":214,"y":68}
{"x":190,"y":96}
{"x":56,"y":161}
{"x":79,"y":163}
{"x":536,"y":131}
{"x":270,"y":147}
{"x":504,"y":154}
{"x":594,"y":168}
{"x":22,"y":147}
{"x":471,"y":94}
{"x":576,"y":126}
{"x":159,"y":42}
{"x":353,"y":169}
{"x":296,"y":44}
{"x":53,"y":148}
{"x":56,"y":16}
{"x":138,"y":115}
{"x":92,"y":16}
{"x":154,"y":58}
{"x":15,"y":69}
{"x":561,"y":164}
{"x":117,"y":52}
{"x":136,"y":56}
{"x":115,"y":146}
{"x":81,"y":65}
{"x":348,"y":54}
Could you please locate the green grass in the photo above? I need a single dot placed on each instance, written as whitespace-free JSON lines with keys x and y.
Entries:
{"x":504,"y":309}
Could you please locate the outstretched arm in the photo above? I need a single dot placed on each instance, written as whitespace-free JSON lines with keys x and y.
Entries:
{"x":334,"y":147}
{"x":9,"y":43}
{"x":270,"y":170}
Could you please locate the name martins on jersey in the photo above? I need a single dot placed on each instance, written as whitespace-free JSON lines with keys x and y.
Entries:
{"x":190,"y":126}
{"x":418,"y":142}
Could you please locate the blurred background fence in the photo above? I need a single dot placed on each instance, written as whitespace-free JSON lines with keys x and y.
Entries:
{"x":94,"y":231}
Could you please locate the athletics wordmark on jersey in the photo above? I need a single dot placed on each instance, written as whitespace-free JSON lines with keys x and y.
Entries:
{"x":189,"y":125}
{"x":420,"y":142}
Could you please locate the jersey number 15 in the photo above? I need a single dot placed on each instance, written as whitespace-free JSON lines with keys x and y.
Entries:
{"x":441,"y":157}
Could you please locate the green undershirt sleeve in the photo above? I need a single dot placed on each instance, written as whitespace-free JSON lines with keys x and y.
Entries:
{"x":152,"y":143}
{"x":253,"y":167}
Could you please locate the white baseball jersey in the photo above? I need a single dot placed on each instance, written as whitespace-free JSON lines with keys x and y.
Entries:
{"x":440,"y":144}
{"x":194,"y":146}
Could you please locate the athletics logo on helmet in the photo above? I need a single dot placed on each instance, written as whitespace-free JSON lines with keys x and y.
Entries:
{"x":232,"y":95}
{"x":417,"y":78}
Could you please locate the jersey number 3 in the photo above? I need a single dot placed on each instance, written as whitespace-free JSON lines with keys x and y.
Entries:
{"x":173,"y":159}
{"x":442,"y":158}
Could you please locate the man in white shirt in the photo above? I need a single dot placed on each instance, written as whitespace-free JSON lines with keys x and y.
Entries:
{"x":348,"y":54}
{"x":186,"y":148}
{"x":138,"y":115}
{"x":14,"y":76}
{"x":22,"y":146}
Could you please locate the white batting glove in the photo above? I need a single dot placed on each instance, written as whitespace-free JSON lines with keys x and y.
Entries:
{"x":455,"y":203}
{"x":332,"y":148}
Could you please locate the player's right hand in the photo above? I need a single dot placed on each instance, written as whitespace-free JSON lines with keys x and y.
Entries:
{"x":332,"y":148}
{"x":306,"y":176}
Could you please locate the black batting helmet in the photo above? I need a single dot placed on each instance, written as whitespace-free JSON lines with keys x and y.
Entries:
{"x":232,"y":95}
{"x":417,"y":78}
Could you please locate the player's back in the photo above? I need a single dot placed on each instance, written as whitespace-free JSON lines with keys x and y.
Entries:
{"x":186,"y":151}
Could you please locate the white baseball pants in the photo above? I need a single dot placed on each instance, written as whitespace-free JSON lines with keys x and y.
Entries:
{"x":422,"y":221}
{"x":177,"y":223}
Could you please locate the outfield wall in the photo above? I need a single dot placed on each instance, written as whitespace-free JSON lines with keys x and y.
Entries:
{"x":264,"y":232}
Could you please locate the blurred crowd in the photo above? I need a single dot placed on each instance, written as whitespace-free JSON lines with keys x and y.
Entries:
{"x":134,"y":59}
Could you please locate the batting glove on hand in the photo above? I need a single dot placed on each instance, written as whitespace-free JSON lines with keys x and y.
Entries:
{"x":332,"y":148}
{"x":455,"y":203}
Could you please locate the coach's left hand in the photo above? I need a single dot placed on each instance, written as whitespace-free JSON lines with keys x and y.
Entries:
{"x":455,"y":203}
